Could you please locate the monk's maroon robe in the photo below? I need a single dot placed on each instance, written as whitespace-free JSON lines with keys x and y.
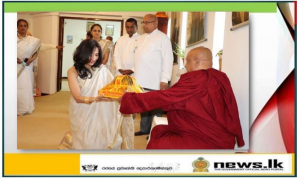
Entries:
{"x":202,"y":112}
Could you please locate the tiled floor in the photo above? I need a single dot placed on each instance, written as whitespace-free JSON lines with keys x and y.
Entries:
{"x":46,"y":126}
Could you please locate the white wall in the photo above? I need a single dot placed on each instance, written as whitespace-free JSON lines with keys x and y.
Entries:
{"x":210,"y":23}
{"x":210,"y":19}
{"x":46,"y":29}
{"x":77,"y":29}
{"x":236,"y":65}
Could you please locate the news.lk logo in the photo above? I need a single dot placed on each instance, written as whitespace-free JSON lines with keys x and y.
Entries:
{"x":272,"y":164}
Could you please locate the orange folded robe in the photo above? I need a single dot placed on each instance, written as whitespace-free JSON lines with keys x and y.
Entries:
{"x":120,"y":85}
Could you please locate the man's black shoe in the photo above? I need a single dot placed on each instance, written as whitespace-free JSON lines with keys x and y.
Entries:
{"x":139,"y":133}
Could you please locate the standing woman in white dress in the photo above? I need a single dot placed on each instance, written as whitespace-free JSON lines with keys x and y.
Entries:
{"x":27,"y":52}
{"x":107,"y":46}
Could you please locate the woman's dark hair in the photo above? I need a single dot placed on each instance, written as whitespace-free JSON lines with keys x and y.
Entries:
{"x":22,"y":20}
{"x":89,"y":34}
{"x":82,"y":56}
{"x":94,"y":25}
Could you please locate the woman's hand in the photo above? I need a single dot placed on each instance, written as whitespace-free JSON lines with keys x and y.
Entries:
{"x":19,"y":61}
{"x":30,"y":60}
{"x":102,"y":98}
{"x":60,"y":47}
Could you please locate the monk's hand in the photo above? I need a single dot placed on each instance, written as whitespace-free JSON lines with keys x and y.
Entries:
{"x":120,"y":99}
{"x":163,"y":86}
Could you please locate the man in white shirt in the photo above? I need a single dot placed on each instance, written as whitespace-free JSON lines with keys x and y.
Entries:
{"x":125,"y":48}
{"x":153,"y":62}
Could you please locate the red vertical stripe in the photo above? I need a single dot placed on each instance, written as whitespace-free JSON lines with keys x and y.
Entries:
{"x":286,"y":111}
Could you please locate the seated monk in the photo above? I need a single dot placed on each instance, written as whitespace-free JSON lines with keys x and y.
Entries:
{"x":202,"y":110}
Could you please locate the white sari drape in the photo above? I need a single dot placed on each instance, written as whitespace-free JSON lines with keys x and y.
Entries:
{"x":106,"y":46}
{"x":99,"y":125}
{"x":26,"y":48}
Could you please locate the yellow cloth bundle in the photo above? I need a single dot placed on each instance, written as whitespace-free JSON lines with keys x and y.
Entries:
{"x":120,"y":85}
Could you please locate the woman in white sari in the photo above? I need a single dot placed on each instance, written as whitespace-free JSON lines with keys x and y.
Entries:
{"x":96,"y":122}
{"x":107,"y":46}
{"x":27,"y":52}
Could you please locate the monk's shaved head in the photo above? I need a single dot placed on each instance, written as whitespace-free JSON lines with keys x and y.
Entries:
{"x":203,"y":53}
{"x":199,"y":58}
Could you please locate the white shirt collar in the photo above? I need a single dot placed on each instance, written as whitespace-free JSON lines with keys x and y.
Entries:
{"x":20,"y":37}
{"x":135,"y":34}
{"x":153,"y":32}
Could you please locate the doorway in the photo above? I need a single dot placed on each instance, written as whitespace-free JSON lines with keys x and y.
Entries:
{"x":71,"y":32}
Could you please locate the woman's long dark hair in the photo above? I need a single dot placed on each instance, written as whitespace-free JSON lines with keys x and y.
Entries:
{"x":82,"y":56}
